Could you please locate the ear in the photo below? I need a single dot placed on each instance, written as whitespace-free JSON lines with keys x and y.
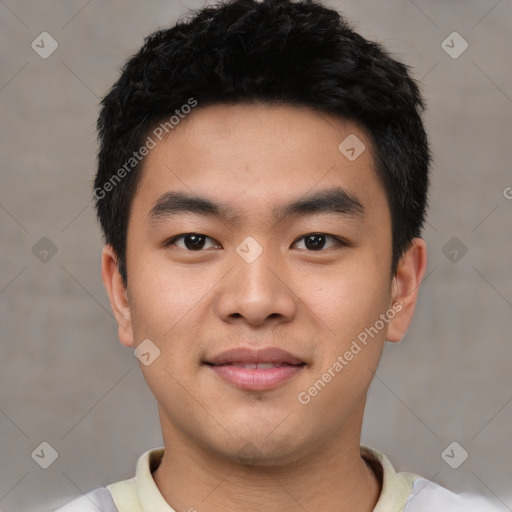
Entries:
{"x":405,"y":286}
{"x":117,"y":294}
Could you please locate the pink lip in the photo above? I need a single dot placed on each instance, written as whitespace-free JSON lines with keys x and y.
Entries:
{"x":227,"y":365}
{"x":250,"y":355}
{"x":256,"y":379}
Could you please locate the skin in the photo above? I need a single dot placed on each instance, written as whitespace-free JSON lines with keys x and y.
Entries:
{"x":197,"y":304}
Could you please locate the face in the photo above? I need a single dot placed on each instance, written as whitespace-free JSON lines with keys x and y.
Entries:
{"x":289,"y":261}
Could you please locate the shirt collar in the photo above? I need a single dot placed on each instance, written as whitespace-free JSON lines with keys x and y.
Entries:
{"x":148,"y":493}
{"x":396,"y":487}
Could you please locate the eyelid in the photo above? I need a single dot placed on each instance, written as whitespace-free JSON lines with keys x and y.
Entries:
{"x":339,"y":241}
{"x":173,"y":239}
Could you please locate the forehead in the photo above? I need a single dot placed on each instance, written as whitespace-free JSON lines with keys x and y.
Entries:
{"x":253,"y":158}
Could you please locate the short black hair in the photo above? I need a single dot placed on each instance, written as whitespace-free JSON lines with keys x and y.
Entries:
{"x":298,"y":53}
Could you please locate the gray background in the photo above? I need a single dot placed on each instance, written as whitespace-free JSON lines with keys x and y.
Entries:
{"x":64,"y":377}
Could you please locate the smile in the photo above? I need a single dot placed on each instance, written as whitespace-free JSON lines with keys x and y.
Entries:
{"x":257,"y":376}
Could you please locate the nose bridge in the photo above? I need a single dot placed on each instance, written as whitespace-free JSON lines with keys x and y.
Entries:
{"x":254,"y":269}
{"x":256,"y":289}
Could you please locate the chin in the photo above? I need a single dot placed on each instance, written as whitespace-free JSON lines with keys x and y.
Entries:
{"x":260,"y":451}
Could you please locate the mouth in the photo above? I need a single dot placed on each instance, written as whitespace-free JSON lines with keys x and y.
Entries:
{"x":256,"y":370}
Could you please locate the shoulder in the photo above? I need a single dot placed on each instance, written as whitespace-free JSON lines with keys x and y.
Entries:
{"x":427,"y":496}
{"x":121,"y":496}
{"x":98,"y":500}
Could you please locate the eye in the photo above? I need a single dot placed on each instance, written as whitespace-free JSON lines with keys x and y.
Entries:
{"x":316,"y":241}
{"x":197,"y":241}
{"x":191,"y":241}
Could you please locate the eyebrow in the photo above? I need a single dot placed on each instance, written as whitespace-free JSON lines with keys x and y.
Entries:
{"x":334,"y":200}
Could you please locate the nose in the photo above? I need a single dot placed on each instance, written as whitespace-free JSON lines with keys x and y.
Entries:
{"x":256,"y":293}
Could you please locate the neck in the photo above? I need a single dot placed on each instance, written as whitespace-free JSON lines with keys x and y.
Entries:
{"x":333,"y":478}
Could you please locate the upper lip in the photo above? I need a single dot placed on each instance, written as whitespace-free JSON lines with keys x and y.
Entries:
{"x":249,"y":355}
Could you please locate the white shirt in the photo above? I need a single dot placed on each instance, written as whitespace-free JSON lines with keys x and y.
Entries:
{"x":401,"y":492}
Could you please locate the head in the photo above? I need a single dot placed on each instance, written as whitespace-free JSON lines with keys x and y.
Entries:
{"x":292,"y":152}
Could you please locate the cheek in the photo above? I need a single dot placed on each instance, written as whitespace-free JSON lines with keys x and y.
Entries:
{"x":349,"y":300}
{"x":163,"y":297}
{"x":168,"y":307}
{"x":346,"y":311}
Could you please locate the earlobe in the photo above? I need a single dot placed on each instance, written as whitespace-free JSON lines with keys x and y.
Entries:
{"x":405,"y":287}
{"x":117,"y":294}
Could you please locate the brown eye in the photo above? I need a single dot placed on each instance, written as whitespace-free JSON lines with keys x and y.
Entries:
{"x":191,"y":241}
{"x":317,"y":241}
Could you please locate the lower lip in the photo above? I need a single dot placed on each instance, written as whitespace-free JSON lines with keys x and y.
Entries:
{"x":256,"y":379}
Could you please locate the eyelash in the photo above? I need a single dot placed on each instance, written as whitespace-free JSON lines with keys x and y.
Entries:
{"x":339,"y":241}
